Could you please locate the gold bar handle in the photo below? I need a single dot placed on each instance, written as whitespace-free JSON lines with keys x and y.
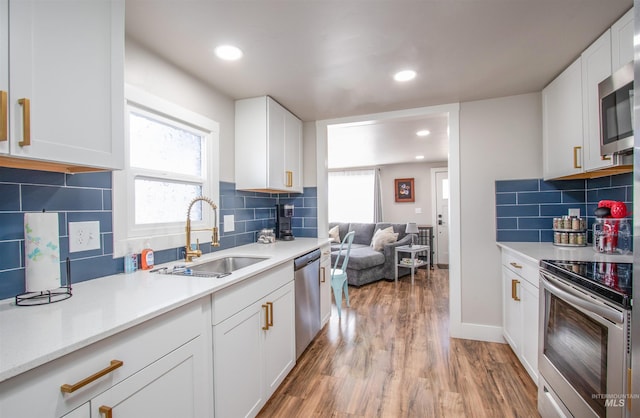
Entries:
{"x":106,"y":411}
{"x":66,"y":388}
{"x":26,"y":122}
{"x":271,"y":315}
{"x":514,"y":290}
{"x":4,"y":118}
{"x":289,"y":178}
{"x":606,"y":158}
{"x":324,"y":274}
{"x":516,"y":265}
{"x":575,"y":157}
{"x":266,"y":317}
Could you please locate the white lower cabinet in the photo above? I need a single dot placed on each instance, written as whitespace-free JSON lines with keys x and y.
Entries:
{"x":520,"y":309}
{"x":165,"y":371}
{"x":253,"y":341}
{"x":325,"y":283}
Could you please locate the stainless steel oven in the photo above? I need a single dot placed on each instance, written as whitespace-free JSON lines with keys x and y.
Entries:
{"x":584,"y":348}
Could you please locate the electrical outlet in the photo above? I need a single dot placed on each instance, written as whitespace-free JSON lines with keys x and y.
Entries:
{"x":418,"y":210}
{"x":229,"y":223}
{"x":574,"y":212}
{"x":84,"y":236}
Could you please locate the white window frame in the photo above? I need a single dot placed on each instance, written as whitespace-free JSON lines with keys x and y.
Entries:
{"x":127,"y":235}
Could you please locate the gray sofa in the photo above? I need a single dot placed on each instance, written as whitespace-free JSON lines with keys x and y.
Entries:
{"x":367,"y":265}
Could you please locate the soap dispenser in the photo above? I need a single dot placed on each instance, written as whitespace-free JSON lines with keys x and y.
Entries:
{"x":147,"y":257}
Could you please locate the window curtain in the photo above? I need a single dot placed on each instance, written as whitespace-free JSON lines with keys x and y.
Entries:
{"x":377,"y":197}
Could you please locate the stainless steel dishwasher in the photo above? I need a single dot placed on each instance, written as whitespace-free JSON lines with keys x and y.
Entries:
{"x":307,"y":286}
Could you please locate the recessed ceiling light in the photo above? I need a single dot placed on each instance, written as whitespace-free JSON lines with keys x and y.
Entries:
{"x":404,"y":75}
{"x":419,"y":157}
{"x":228,"y":52}
{"x":423,"y":132}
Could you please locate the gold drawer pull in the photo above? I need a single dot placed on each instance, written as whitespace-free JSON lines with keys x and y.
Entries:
{"x":289,"y":178}
{"x":72,"y":388}
{"x":26,"y":122}
{"x":4,"y":118}
{"x":271,"y":315}
{"x":575,"y":157}
{"x":514,"y":290}
{"x":516,"y":265}
{"x":324,"y":275}
{"x":266,"y":317}
{"x":106,"y":411}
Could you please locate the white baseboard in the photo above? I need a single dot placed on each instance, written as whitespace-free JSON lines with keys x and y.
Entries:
{"x":479,"y":332}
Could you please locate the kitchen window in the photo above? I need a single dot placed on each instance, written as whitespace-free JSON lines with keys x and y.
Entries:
{"x":171,"y":156}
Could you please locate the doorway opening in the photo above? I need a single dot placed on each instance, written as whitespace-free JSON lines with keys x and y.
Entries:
{"x":453,"y":168}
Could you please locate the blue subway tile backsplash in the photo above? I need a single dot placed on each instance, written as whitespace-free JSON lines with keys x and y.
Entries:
{"x":88,"y":197}
{"x":525,"y":208}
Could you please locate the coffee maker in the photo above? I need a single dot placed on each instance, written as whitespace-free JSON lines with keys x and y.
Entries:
{"x":284,"y":213}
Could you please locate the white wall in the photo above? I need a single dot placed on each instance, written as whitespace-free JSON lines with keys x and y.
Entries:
{"x":160,"y":78}
{"x":309,"y":154}
{"x":499,"y":139}
{"x":406,"y":212}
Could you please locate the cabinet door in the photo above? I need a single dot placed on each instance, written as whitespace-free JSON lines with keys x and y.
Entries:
{"x":82,"y":412}
{"x":511,"y":309}
{"x":276,"y":144}
{"x":562,"y":124}
{"x":173,"y":386}
{"x":596,"y":66}
{"x":293,"y":153}
{"x":67,"y":59}
{"x":325,"y":284}
{"x":279,"y":339}
{"x":529,"y":353}
{"x":237,"y":363}
{"x":4,"y":74}
{"x":622,"y":41}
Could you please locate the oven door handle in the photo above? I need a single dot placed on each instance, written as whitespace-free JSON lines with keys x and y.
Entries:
{"x":567,"y":294}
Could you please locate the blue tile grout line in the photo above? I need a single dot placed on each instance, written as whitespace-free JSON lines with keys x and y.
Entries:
{"x":551,"y":199}
{"x":46,"y":188}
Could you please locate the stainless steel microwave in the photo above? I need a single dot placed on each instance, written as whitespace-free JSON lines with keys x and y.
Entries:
{"x":616,"y":112}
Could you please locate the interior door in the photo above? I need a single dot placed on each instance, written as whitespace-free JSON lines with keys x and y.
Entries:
{"x":442,"y":218}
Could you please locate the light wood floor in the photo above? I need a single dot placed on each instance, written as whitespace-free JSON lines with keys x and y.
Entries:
{"x":391,"y":356}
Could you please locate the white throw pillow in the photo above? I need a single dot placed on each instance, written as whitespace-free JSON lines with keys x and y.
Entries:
{"x":382,"y":237}
{"x":334,"y":234}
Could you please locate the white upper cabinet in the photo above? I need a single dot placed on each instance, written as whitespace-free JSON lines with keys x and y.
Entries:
{"x":596,"y":66}
{"x":622,"y":41}
{"x":65,"y":64}
{"x":268,"y":147}
{"x":562,"y":123}
{"x":571,"y":107}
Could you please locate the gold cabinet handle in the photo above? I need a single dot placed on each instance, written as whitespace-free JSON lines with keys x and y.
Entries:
{"x":266,"y":317}
{"x":516,"y":265}
{"x":66,"y":388}
{"x":575,"y":157}
{"x":324,"y":274}
{"x":270,"y":304}
{"x":4,"y":118}
{"x":26,"y":122}
{"x":289,"y":178}
{"x":106,"y":411}
{"x":514,"y":290}
{"x":606,"y":158}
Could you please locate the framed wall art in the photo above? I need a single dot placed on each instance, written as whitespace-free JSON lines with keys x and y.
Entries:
{"x":404,"y":190}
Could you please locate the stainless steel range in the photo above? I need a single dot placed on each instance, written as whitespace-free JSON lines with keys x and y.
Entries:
{"x":584,"y":345}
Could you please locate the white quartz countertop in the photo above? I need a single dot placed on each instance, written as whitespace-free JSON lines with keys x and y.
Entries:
{"x":536,"y":251}
{"x":33,"y":335}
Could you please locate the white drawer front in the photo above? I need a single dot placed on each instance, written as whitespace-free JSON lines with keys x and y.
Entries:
{"x":231,"y":300}
{"x":521,"y":266}
{"x":37,"y":392}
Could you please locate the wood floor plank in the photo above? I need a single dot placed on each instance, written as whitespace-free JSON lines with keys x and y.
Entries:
{"x":390,"y":355}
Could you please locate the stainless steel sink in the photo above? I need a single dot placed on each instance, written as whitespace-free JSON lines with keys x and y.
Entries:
{"x":226,"y":264}
{"x":218,"y":268}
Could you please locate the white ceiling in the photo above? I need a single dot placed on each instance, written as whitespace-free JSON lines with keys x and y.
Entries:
{"x":331,"y":59}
